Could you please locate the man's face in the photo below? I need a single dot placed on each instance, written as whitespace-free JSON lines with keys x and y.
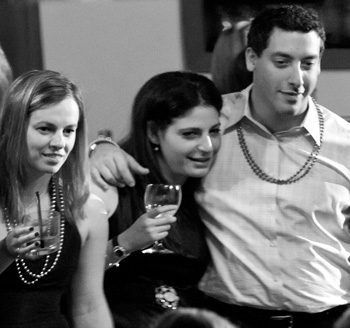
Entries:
{"x":284,"y":76}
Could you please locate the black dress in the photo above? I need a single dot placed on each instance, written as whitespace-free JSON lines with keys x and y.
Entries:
{"x":137,"y":288}
{"x":42,"y":304}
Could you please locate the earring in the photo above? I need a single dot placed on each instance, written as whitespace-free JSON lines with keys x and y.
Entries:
{"x":156,"y":148}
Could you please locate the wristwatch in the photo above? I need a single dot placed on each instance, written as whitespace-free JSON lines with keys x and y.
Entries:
{"x":120,"y":252}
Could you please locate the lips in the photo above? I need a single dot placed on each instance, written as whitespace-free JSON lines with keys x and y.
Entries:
{"x":292,"y":93}
{"x":54,"y":158}
{"x":201,"y":160}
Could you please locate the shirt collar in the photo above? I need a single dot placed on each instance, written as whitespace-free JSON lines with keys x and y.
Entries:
{"x":236,"y":106}
{"x":311,"y":122}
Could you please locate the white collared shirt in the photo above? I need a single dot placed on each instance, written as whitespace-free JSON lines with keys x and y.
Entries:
{"x":275,"y":246}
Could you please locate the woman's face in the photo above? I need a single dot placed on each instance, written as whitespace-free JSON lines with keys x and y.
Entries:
{"x":51,"y":136}
{"x":188,"y":145}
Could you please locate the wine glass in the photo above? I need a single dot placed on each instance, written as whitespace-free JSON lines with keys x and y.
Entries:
{"x":160,"y":195}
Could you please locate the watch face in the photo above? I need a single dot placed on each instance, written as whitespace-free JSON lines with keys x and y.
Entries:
{"x":119,"y":251}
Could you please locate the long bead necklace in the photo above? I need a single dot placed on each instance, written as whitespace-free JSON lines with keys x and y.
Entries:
{"x":20,"y":263}
{"x":305,"y":169}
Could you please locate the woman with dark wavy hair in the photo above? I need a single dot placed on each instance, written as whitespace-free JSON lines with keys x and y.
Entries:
{"x":175,"y":132}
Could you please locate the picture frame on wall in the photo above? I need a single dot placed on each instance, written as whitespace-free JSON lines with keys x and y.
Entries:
{"x":202,"y":23}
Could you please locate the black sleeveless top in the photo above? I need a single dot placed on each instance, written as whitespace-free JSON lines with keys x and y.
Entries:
{"x":130,"y":288}
{"x":42,"y":304}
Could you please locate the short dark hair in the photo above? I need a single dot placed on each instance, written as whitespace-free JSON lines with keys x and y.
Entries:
{"x":286,"y":17}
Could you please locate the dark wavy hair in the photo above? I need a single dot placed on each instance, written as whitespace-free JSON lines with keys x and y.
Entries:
{"x":32,"y":91}
{"x":161,"y":99}
{"x":286,"y":17}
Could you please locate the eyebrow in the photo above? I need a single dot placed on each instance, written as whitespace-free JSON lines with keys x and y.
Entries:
{"x":54,"y":125}
{"x":285,"y":55}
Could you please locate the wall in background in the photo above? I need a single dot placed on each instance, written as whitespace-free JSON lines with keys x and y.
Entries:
{"x":333,"y":91}
{"x":110,"y":48}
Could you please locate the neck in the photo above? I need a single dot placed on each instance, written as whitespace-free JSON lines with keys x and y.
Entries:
{"x":40,"y":185}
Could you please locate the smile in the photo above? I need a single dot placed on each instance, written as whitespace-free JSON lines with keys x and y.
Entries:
{"x":53,"y":156}
{"x":201,"y":160}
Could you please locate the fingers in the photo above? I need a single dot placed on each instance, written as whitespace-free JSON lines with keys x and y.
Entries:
{"x":98,"y":180}
{"x":158,"y":212}
{"x":21,"y":240}
{"x":125,"y":175}
{"x":125,"y":169}
{"x":96,"y":177}
{"x":135,"y":167}
{"x":113,"y":165}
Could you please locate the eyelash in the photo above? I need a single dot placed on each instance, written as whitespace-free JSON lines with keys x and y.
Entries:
{"x":46,"y":129}
{"x":192,"y":133}
{"x":284,"y":63}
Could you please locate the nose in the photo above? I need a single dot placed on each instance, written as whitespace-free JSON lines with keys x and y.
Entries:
{"x":296,"y":77}
{"x":57,"y":141}
{"x":205,"y":144}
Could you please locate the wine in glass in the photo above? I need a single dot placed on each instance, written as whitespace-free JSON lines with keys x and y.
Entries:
{"x":160,"y":195}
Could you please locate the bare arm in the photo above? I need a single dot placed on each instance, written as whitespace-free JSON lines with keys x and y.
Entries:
{"x":145,"y":230}
{"x":89,"y":305}
{"x":112,"y":165}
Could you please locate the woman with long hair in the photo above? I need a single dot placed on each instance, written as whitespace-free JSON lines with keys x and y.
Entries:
{"x":44,"y":167}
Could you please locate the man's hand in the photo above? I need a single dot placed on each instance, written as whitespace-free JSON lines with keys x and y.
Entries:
{"x":112,"y":165}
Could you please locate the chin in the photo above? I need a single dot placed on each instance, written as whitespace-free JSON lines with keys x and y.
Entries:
{"x":52,"y":170}
{"x":199,"y":173}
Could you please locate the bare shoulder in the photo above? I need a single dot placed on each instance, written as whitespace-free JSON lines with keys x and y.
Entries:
{"x":95,"y":205}
{"x":95,"y":218}
{"x":109,"y":197}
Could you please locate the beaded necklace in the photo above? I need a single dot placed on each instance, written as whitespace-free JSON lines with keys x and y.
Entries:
{"x":305,"y":169}
{"x":20,"y":262}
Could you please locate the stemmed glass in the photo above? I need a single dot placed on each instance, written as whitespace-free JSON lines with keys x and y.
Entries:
{"x":160,"y":195}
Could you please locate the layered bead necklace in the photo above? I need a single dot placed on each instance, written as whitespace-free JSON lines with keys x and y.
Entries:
{"x":21,"y":264}
{"x":305,"y":169}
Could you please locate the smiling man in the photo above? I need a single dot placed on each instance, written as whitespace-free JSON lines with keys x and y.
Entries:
{"x":276,"y":202}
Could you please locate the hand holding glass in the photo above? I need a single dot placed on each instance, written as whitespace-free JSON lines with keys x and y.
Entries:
{"x":157,"y":195}
{"x":48,"y":228}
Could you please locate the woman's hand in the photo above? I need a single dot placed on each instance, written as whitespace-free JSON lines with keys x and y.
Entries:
{"x":20,"y":241}
{"x":148,"y":228}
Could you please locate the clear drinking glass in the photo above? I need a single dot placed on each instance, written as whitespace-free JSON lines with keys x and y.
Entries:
{"x":48,"y":226}
{"x":160,"y":195}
